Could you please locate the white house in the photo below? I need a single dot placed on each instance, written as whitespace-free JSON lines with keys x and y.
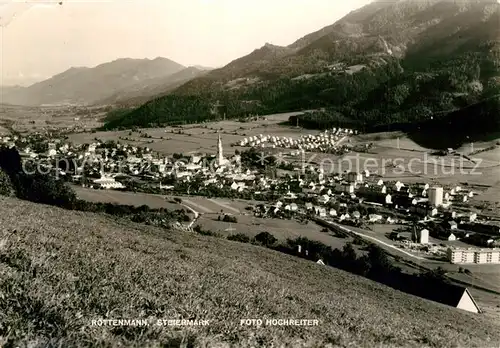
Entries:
{"x":374,"y":217}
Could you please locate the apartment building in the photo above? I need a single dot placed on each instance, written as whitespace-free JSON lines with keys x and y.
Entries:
{"x":472,"y":255}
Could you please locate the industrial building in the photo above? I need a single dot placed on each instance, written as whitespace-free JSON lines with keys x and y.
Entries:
{"x":436,"y":196}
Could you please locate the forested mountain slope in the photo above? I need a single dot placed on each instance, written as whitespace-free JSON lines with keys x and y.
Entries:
{"x":388,"y":63}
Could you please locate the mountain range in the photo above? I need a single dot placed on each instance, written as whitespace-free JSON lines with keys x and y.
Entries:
{"x":121,"y":80}
{"x":396,"y":63}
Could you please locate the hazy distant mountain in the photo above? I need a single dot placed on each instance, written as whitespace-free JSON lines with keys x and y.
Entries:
{"x":88,"y":85}
{"x":389,"y":62}
{"x":141,"y":92}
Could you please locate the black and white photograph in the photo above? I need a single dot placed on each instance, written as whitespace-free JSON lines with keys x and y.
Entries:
{"x":266,"y":173}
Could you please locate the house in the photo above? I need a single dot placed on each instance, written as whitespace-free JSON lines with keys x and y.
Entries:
{"x":390,"y":220}
{"x":398,"y":185}
{"x":375,"y":197}
{"x":449,"y":237}
{"x":395,"y":236}
{"x":455,"y":296}
{"x":374,"y":217}
{"x":354,"y":177}
{"x":452,"y":225}
{"x":320,"y":211}
{"x":324,"y":199}
{"x":347,"y":188}
{"x":320,"y":262}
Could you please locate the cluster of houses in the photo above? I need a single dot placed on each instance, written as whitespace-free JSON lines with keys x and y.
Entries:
{"x":322,"y":142}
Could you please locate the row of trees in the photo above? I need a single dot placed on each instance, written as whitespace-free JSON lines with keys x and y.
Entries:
{"x":375,"y":264}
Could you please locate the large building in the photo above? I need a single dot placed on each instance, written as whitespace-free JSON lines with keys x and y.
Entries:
{"x":436,"y":196}
{"x":107,"y":182}
{"x":473,"y":255}
{"x":423,"y":236}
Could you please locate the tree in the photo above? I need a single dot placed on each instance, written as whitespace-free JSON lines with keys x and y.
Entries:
{"x":266,"y":239}
{"x":348,"y":253}
{"x":6,"y":188}
{"x":379,"y":262}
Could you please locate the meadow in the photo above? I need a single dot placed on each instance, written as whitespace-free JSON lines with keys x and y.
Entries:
{"x":124,"y":198}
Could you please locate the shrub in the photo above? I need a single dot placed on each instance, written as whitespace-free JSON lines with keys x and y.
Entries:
{"x":230,"y":218}
{"x":239,"y":237}
{"x":203,"y":232}
{"x":266,"y":239}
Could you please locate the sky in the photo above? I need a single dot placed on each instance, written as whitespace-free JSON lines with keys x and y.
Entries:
{"x":39,"y":38}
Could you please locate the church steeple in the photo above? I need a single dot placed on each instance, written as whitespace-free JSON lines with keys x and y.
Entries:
{"x":220,"y":155}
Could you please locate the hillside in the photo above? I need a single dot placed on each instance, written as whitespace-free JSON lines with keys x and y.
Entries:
{"x":84,"y":85}
{"x":388,"y":63}
{"x":140,"y":93}
{"x":58,"y":274}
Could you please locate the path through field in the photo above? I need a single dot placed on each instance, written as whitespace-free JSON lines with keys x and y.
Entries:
{"x":380,"y":242}
{"x":198,"y":206}
{"x":223,"y":205}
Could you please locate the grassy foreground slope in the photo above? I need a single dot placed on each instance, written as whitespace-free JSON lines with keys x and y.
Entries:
{"x":61,"y":269}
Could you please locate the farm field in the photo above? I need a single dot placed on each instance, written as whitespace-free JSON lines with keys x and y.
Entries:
{"x":123,"y":197}
{"x":32,"y":119}
{"x":215,"y":205}
{"x":198,"y":137}
{"x":145,"y":273}
{"x":396,"y":140}
{"x":280,"y":228}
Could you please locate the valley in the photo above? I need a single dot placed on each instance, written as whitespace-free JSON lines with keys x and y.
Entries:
{"x":348,"y":181}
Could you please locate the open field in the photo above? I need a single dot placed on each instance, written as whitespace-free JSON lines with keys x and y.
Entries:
{"x":215,"y":205}
{"x":66,"y":268}
{"x":397,"y":140}
{"x":198,"y":137}
{"x":280,"y":228}
{"x":31,"y":119}
{"x":126,"y":198}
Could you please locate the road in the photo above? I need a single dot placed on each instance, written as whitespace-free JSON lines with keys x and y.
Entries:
{"x":196,"y":215}
{"x":379,"y":242}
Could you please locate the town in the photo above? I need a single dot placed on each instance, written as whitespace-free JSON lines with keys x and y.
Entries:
{"x":426,"y":221}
